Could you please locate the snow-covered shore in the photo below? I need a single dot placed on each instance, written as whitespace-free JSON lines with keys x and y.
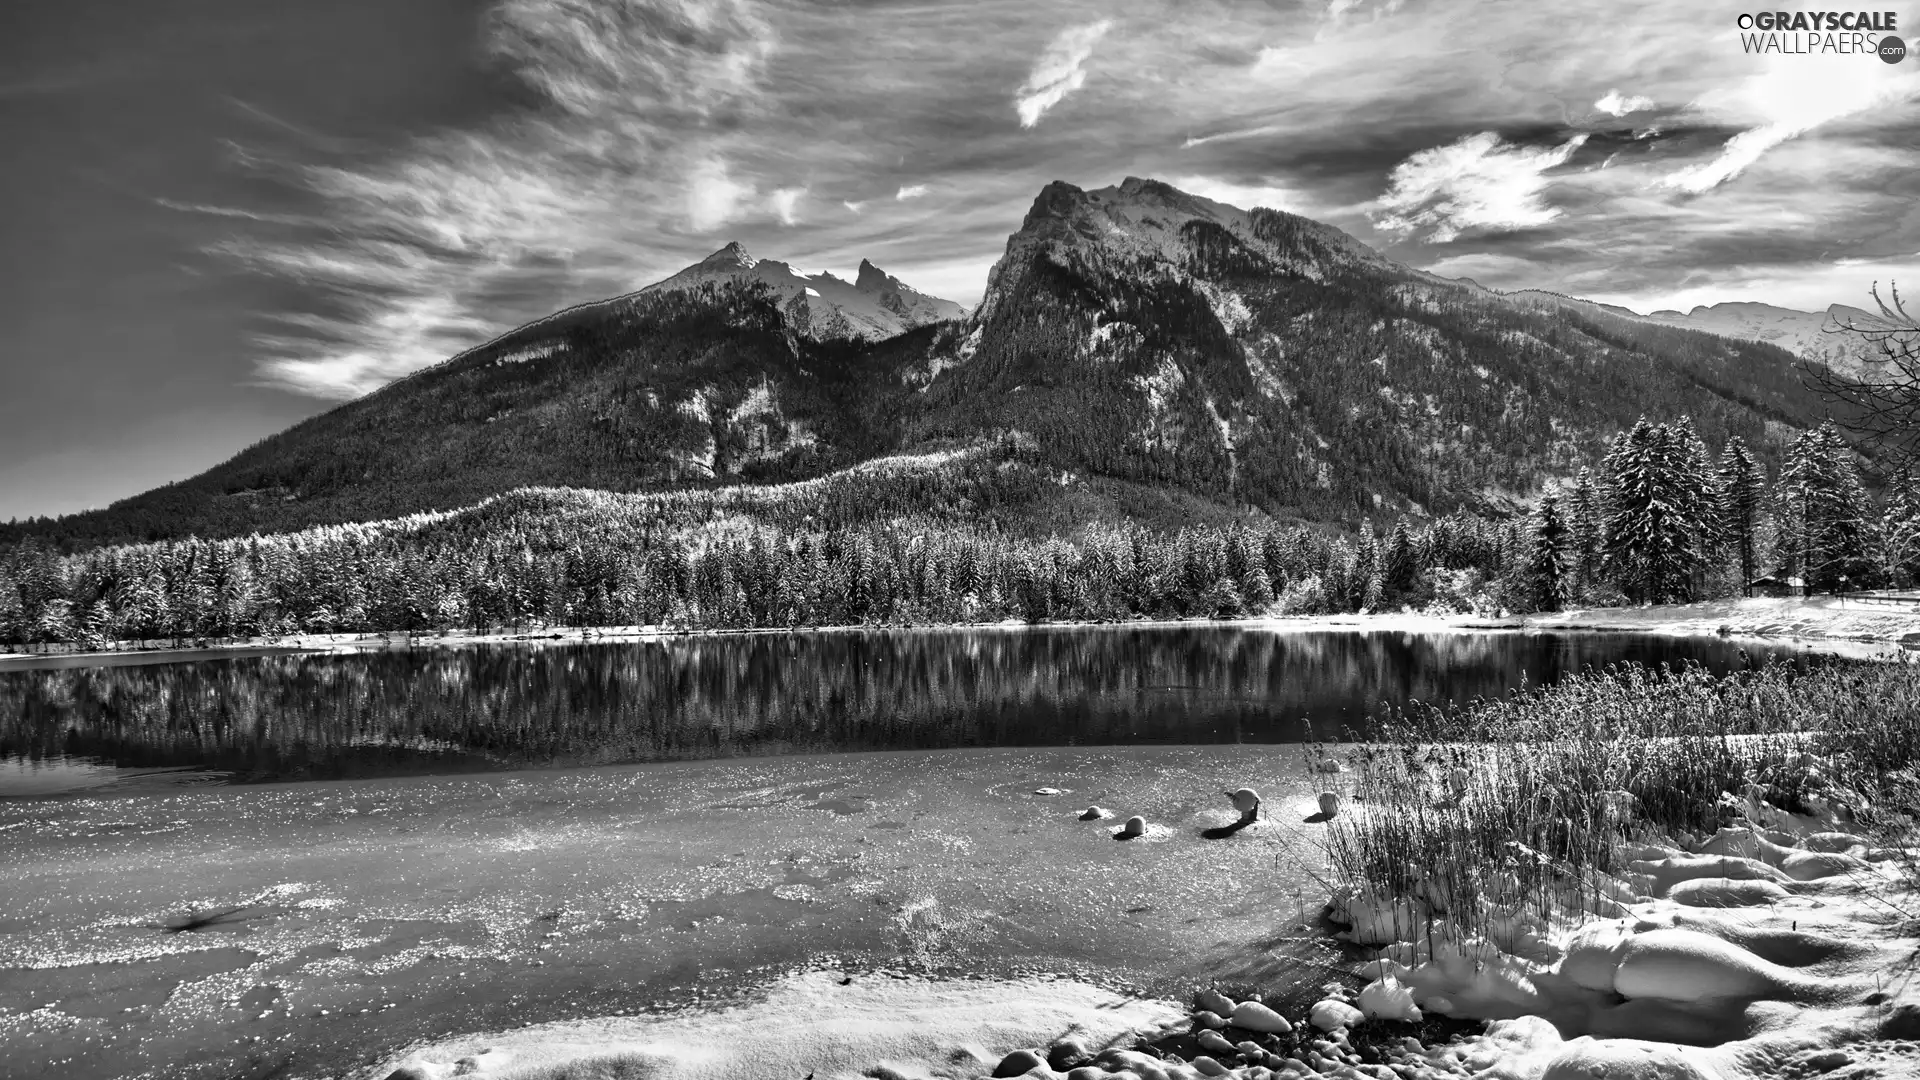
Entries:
{"x":1848,"y":627}
{"x":1778,"y":947}
{"x":1823,"y":620}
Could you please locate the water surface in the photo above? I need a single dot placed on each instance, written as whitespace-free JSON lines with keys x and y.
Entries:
{"x":477,"y":708}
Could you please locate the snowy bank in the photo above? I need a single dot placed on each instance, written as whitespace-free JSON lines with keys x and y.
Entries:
{"x":818,"y":1024}
{"x":1778,"y":946}
{"x":1825,"y":619}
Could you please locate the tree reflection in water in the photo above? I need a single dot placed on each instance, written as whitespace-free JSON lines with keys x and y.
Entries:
{"x":283,"y":717}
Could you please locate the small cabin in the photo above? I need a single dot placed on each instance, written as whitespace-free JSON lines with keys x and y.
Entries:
{"x":1778,"y":585}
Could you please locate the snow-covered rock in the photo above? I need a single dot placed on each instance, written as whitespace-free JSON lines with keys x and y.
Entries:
{"x":1254,"y":1016}
{"x":1387,"y":999}
{"x":1331,"y":1015}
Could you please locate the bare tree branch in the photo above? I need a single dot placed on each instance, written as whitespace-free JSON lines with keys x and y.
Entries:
{"x":1881,"y":403}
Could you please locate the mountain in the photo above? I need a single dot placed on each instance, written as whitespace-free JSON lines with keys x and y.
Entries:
{"x":1162,"y":355}
{"x":875,"y":306}
{"x":1261,"y":358}
{"x":1808,"y":335}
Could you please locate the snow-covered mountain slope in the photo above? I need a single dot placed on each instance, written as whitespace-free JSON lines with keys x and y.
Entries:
{"x":1806,"y":334}
{"x":873,"y":307}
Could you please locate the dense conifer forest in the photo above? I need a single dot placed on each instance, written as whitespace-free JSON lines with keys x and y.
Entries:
{"x":917,"y":541}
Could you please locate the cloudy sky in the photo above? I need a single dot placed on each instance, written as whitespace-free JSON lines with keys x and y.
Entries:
{"x":221,"y":216}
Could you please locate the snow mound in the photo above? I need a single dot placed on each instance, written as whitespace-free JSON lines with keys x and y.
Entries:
{"x":808,"y":1024}
{"x":1761,"y":952}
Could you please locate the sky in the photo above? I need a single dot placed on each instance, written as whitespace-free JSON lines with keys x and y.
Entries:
{"x":218,"y":217}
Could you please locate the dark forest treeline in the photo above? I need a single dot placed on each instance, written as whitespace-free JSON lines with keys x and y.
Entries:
{"x":860,"y":548}
{"x":913,"y":542}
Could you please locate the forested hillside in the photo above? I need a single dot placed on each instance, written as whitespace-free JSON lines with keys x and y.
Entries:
{"x":917,"y":541}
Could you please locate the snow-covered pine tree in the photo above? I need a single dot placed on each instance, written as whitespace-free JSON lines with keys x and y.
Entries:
{"x":1700,"y":480}
{"x":1821,"y":507}
{"x":1742,"y":491}
{"x":1586,"y":528}
{"x":1900,"y":532}
{"x":1544,"y":579}
{"x":1654,"y":546}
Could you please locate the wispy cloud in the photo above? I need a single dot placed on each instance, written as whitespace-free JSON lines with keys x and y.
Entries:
{"x":1793,"y":96}
{"x":786,"y":204}
{"x":1232,"y":136}
{"x":1478,"y":183}
{"x":1061,"y":70}
{"x":714,"y":198}
{"x":815,"y":133}
{"x":1617,"y":104}
{"x":239,"y":212}
{"x":467,"y":232}
{"x":1245,"y":196}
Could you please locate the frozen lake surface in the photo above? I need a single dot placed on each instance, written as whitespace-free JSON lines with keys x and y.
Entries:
{"x":849,"y":802}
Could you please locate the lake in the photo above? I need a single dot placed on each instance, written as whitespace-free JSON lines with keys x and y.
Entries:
{"x":134,"y":727}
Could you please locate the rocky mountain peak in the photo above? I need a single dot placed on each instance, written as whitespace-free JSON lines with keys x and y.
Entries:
{"x":871,"y":278}
{"x":733,"y":256}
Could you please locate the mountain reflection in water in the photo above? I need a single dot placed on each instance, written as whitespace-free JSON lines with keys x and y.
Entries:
{"x":327,"y":716}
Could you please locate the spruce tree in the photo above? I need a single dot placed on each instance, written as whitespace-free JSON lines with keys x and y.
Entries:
{"x":1655,"y":536}
{"x":1544,"y":583}
{"x":1900,"y":532}
{"x":1821,"y":507}
{"x":1585,"y":528}
{"x":1741,"y":494}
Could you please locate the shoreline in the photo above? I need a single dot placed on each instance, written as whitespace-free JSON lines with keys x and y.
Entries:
{"x":1855,"y":629}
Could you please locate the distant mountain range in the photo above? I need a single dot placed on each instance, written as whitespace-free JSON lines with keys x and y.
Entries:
{"x":1150,"y":348}
{"x":1815,"y":336}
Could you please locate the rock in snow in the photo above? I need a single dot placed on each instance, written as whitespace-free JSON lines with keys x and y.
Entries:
{"x":1246,"y":801}
{"x":1207,"y":1018}
{"x":1018,"y":1063}
{"x":1331,"y":1015}
{"x":1254,"y":1016}
{"x":1386,"y":999}
{"x":1068,"y":1053}
{"x":1214,"y":1043}
{"x":1214,"y":1001}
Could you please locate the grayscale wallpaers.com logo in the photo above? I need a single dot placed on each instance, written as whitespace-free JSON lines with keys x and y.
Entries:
{"x":1815,"y":33}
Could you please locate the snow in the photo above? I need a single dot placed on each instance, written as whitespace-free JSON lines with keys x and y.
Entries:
{"x":530,"y":352}
{"x":1228,"y":307}
{"x":1714,"y":971}
{"x":811,"y":1025}
{"x":1849,"y":627}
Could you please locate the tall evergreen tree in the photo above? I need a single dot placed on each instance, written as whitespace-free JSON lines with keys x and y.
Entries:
{"x":1586,"y":528}
{"x":1656,"y":546}
{"x":1821,"y":508}
{"x":1900,"y":532}
{"x":1742,"y":493}
{"x":1544,"y":584}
